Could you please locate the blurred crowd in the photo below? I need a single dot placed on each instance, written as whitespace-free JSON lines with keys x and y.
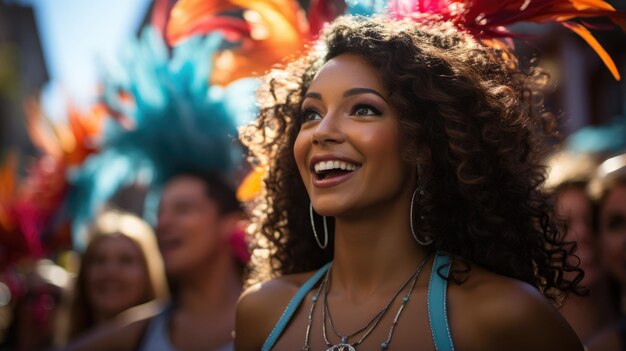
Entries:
{"x":589,"y":195}
{"x":103,"y":239}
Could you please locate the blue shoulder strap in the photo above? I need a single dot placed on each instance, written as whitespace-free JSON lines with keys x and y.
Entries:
{"x":437,"y":311}
{"x":292,"y":307}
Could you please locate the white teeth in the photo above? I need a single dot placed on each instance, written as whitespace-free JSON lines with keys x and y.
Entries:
{"x":328,"y":165}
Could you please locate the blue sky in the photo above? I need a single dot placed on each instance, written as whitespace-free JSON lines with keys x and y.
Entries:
{"x":78,"y":36}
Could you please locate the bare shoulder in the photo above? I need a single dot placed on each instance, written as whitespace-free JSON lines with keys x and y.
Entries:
{"x":123,"y":333}
{"x":493,"y":312}
{"x":259,"y":308}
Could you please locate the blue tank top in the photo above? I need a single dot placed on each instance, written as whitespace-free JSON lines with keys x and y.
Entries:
{"x":436,"y":303}
{"x":156,"y":336}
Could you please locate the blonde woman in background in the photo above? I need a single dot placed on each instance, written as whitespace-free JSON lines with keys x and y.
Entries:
{"x":121,"y":268}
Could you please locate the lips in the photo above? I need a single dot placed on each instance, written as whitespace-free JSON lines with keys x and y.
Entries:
{"x":329,"y":170}
{"x":168,"y":244}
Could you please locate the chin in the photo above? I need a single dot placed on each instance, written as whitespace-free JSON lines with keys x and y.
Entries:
{"x":177,"y":269}
{"x":332,"y":207}
{"x":325,"y":209}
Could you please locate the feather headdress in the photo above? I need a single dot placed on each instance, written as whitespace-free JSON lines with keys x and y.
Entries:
{"x":487,"y":20}
{"x":31,"y":218}
{"x":280,"y":30}
{"x":266,"y":32}
{"x":167,"y":119}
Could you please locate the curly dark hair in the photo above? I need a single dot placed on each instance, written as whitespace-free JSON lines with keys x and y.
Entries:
{"x":466,"y":115}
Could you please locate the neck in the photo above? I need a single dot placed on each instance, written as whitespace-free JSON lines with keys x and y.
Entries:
{"x":375,"y":250}
{"x":214,"y":286}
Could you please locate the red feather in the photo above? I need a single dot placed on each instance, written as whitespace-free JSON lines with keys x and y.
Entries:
{"x":323,"y":11}
{"x":487,"y":19}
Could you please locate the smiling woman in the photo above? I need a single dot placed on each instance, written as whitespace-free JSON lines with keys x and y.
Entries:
{"x":402,"y":206}
{"x":120,"y":269}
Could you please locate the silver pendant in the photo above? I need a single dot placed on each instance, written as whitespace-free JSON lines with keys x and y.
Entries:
{"x":341,"y":347}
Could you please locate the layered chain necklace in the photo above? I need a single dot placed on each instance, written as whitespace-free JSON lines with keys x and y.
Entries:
{"x":344,"y":345}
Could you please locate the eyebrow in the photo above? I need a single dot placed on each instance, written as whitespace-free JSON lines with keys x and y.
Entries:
{"x":357,"y":91}
{"x":317,"y":96}
{"x":347,"y":93}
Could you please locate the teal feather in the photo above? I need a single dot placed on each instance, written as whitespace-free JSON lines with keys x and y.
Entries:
{"x":608,"y":140}
{"x":366,"y":7}
{"x":181,"y":123}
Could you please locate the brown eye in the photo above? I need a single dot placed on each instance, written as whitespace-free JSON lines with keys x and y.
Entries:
{"x":310,"y":114}
{"x":365,"y":110}
{"x":98,"y":261}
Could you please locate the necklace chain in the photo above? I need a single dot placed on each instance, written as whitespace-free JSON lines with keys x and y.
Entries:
{"x":370,"y":326}
{"x":307,"y":345}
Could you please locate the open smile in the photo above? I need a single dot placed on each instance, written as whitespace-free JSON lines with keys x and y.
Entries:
{"x":332,"y":170}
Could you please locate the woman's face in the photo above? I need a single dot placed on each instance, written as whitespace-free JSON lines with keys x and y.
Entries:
{"x":574,"y":207}
{"x":613,"y":232}
{"x":116,"y":276}
{"x":348,"y":150}
{"x":190,"y":229}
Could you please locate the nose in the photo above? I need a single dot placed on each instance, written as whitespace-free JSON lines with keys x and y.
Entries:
{"x":108,"y":267}
{"x":329,"y":130}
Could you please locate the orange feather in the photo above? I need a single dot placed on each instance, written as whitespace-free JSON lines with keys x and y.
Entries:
{"x":277,"y":30}
{"x":589,"y":38}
